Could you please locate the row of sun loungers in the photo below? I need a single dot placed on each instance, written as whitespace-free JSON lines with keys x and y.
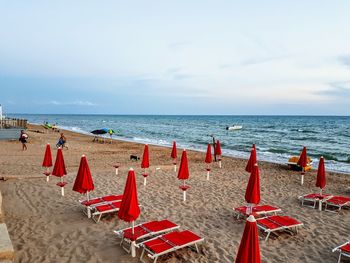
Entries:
{"x":157,"y":238}
{"x":96,"y":207}
{"x":268,"y":220}
{"x":332,"y":203}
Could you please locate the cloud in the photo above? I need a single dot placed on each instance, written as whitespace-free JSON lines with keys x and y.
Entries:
{"x":339,"y":89}
{"x":345,"y":60}
{"x":73,"y":103}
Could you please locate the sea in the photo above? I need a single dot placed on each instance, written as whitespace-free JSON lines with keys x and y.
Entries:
{"x":276,"y":137}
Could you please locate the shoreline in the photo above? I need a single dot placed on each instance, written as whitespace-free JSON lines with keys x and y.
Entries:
{"x":190,"y":148}
{"x":45,"y":227}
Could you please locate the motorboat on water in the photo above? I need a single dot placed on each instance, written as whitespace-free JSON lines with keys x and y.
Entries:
{"x":234,"y":127}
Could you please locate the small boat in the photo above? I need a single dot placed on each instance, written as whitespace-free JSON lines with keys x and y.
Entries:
{"x":234,"y":127}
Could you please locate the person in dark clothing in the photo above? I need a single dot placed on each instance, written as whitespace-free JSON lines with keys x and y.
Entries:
{"x":23,"y":139}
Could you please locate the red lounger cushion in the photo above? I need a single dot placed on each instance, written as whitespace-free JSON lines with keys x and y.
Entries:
{"x":92,"y":201}
{"x":110,"y":198}
{"x":107,"y":207}
{"x":146,"y":228}
{"x":171,"y":240}
{"x":260,"y":208}
{"x":315,"y":196}
{"x":273,"y":222}
{"x":346,"y":248}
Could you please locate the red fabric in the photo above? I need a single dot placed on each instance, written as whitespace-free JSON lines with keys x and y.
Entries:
{"x":302,"y":162}
{"x":173,"y":151}
{"x":316,"y":196}
{"x":129,"y":208}
{"x":252,"y":160}
{"x":184,"y":187}
{"x":184,"y":173}
{"x":208,"y":157}
{"x":146,"y":228}
{"x":321,"y":174}
{"x":59,"y":168}
{"x":83,"y":182}
{"x":145,"y":157}
{"x":61,"y":184}
{"x":249,"y":250}
{"x":47,"y":162}
{"x":108,"y":207}
{"x":218,"y":148}
{"x":170,"y":240}
{"x":256,"y":209}
{"x":47,"y":173}
{"x":273,"y":222}
{"x":110,"y":198}
{"x":346,"y":248}
{"x":252,"y":193}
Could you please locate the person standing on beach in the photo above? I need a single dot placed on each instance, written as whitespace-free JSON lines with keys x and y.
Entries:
{"x":23,"y":139}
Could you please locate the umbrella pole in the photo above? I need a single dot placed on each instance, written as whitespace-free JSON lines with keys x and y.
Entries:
{"x":208,"y":172}
{"x":174,"y":162}
{"x":220,"y":162}
{"x":184,"y":192}
{"x":116,"y":171}
{"x":48,"y":174}
{"x":320,"y":201}
{"x":144,"y":177}
{"x":133,"y":250}
{"x":62,"y":187}
{"x":302,"y":175}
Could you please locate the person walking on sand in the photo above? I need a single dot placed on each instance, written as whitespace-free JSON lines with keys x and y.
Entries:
{"x":62,"y":141}
{"x":23,"y":139}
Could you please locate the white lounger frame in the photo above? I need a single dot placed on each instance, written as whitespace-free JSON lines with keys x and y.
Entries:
{"x":265,"y":213}
{"x":313,"y":200}
{"x":150,"y":234}
{"x":154,"y":256}
{"x":340,"y":206}
{"x":99,"y":214}
{"x":342,"y":253}
{"x":285,"y":228}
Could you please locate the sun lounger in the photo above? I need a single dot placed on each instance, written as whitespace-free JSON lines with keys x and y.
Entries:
{"x":143,"y":231}
{"x":104,"y":208}
{"x":313,"y":199}
{"x":344,"y":250}
{"x":275,"y":223}
{"x":259,"y":210}
{"x":338,"y":202}
{"x":90,"y":204}
{"x":167,"y":243}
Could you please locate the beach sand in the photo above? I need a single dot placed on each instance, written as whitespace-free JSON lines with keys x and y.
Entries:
{"x":46,"y":227}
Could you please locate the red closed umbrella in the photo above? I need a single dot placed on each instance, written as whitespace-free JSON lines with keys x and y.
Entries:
{"x":174,"y":155}
{"x":47,"y":162}
{"x":145,"y":163}
{"x":218,"y":151}
{"x":184,"y":173}
{"x":208,"y":160}
{"x":321,"y":175}
{"x":249,"y":249}
{"x":302,"y":162}
{"x":252,"y":160}
{"x":59,"y":169}
{"x":129,"y":208}
{"x":83,"y":182}
{"x":252,"y":193}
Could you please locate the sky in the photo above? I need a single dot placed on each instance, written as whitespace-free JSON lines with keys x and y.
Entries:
{"x":175,"y":57}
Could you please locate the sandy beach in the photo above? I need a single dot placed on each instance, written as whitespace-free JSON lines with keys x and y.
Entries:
{"x":46,"y":227}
